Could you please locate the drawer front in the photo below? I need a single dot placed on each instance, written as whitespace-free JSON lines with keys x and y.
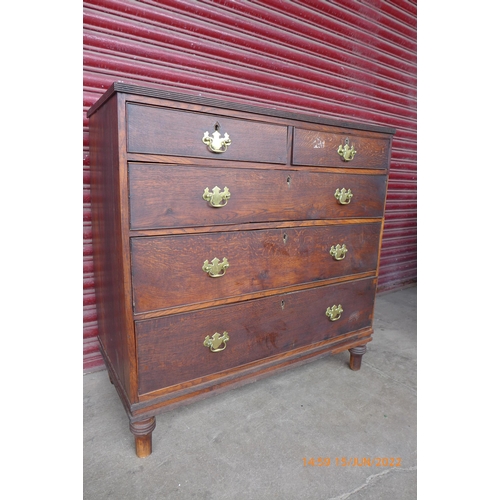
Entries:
{"x":314,"y":147}
{"x":157,"y":130}
{"x":171,"y":349}
{"x":167,"y":270}
{"x":164,"y":196}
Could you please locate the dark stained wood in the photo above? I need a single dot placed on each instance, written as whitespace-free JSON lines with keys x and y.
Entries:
{"x":316,"y":147}
{"x":174,"y":195}
{"x":152,"y":403}
{"x":153,"y":231}
{"x":143,"y":433}
{"x":165,"y":131}
{"x":356,"y":355}
{"x":112,"y":294}
{"x":171,"y":350}
{"x":192,"y":100}
{"x":167,"y":270}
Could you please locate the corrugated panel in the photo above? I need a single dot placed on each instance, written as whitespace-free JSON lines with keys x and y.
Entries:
{"x":346,"y":59}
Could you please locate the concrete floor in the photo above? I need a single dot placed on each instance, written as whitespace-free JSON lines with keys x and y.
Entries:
{"x":251,"y":442}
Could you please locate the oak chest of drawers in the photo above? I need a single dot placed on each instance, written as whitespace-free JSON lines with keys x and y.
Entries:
{"x":229,"y":241}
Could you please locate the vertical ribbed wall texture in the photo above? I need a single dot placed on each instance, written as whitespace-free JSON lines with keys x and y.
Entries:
{"x":351,"y":59}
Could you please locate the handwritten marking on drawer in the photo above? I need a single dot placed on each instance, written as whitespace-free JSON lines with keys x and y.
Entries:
{"x":318,"y":143}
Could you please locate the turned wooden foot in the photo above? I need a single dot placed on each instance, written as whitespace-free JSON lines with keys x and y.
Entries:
{"x":143,"y":432}
{"x":356,"y":355}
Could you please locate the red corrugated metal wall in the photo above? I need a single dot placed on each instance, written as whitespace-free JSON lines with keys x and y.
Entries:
{"x":352,"y":59}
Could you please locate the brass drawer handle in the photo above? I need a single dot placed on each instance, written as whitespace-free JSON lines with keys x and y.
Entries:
{"x":216,"y":143}
{"x":343,"y":196}
{"x":346,"y":153}
{"x":215,"y":342}
{"x":216,"y":198}
{"x":334,"y":312}
{"x":217,"y":268}
{"x":338,"y":252}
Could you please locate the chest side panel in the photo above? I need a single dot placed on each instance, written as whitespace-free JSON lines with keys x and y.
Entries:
{"x":110,"y":245}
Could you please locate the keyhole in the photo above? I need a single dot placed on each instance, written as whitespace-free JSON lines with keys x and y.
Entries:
{"x":285,"y":238}
{"x":288,"y":180}
{"x":217,"y":126}
{"x":282,"y":304}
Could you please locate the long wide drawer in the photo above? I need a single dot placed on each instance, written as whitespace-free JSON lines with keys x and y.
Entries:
{"x":183,"y":347}
{"x":157,"y":130}
{"x":165,"y":196}
{"x":170,"y":271}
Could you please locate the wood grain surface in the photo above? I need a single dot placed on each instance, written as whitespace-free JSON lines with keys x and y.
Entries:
{"x":165,"y":131}
{"x":167,"y":196}
{"x":317,"y":147}
{"x":171,"y":350}
{"x":167,"y":270}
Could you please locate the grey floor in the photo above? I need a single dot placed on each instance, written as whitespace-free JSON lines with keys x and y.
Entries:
{"x":251,"y":442}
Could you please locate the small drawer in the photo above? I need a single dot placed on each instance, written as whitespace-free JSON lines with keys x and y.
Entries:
{"x":157,"y":130}
{"x":170,"y":271}
{"x":175,"y":349}
{"x":169,"y":196}
{"x":320,"y":148}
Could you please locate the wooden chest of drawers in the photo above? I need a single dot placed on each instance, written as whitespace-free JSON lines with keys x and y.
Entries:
{"x":229,"y":242}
